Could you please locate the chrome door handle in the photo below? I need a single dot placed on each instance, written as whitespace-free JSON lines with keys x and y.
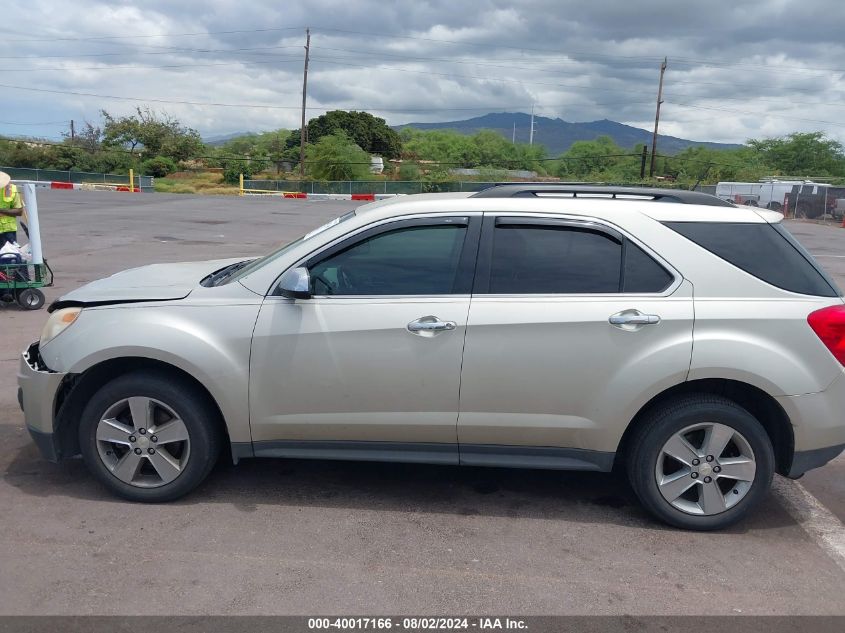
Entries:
{"x":633,"y":317}
{"x":430,"y":325}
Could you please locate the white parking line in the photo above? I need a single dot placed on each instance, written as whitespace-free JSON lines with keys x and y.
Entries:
{"x":820,"y":523}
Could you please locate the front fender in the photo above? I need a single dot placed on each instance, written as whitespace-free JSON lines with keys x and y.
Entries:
{"x":211,"y":343}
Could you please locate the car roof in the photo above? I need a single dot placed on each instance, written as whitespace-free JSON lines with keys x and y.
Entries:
{"x":605,"y":207}
{"x":652,"y":194}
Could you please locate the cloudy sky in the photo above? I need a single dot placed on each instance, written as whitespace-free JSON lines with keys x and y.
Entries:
{"x":736,"y":69}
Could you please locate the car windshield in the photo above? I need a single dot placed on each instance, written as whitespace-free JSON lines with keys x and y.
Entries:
{"x":261,"y":261}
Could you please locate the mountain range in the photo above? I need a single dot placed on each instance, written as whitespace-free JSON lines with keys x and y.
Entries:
{"x":557,"y":135}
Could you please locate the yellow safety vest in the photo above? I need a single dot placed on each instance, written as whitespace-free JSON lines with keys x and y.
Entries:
{"x":9,"y":224}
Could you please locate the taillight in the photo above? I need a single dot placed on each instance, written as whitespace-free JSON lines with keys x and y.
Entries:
{"x":829,"y":326}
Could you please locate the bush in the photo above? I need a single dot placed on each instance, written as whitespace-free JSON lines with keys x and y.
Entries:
{"x":159,"y":166}
{"x":233,"y":169}
{"x":409,"y":171}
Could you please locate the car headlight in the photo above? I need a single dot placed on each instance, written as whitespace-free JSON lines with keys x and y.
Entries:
{"x":57,"y":323}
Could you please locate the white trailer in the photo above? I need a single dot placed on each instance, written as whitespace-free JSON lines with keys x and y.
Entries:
{"x":799,"y":198}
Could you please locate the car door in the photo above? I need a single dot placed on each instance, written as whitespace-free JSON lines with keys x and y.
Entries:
{"x":369,"y":366}
{"x":572,"y":326}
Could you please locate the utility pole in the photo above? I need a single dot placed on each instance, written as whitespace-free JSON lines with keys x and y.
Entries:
{"x":531,"y":132}
{"x":657,"y":118}
{"x":72,"y":132}
{"x":304,"y":92}
{"x":642,"y":161}
{"x":513,"y":137}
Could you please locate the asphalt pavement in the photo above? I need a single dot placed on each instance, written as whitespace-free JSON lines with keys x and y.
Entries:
{"x":302,"y":537}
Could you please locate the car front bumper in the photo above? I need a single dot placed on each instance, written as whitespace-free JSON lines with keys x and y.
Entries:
{"x":37,"y":390}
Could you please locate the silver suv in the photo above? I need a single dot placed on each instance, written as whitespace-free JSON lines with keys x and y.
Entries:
{"x":690,"y":343}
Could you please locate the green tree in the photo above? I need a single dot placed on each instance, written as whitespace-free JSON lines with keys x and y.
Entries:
{"x":591,"y":159}
{"x":151,"y":134}
{"x":486,"y":149}
{"x":802,"y":154}
{"x":337,"y":157}
{"x":370,"y":133}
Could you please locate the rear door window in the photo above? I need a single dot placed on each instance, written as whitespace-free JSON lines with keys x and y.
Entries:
{"x":548,"y":258}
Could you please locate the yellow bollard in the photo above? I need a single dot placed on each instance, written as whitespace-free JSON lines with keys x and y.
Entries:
{"x":131,"y":180}
{"x":241,"y":186}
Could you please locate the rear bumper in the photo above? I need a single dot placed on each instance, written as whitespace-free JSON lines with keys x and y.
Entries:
{"x":37,"y":389}
{"x":818,"y":426}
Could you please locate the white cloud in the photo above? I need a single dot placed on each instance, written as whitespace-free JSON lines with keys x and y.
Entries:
{"x":736,"y":70}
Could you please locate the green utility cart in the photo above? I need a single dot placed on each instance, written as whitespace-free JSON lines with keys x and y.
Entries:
{"x":20,"y":282}
{"x":21,"y":279}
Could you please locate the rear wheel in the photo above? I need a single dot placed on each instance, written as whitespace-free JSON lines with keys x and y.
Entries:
{"x":149,"y":437}
{"x":701,"y":462}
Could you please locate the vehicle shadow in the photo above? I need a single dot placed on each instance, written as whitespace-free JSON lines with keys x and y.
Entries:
{"x":374,"y":486}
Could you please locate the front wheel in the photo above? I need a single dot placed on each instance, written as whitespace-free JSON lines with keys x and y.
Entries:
{"x":149,"y":437}
{"x":701,"y":462}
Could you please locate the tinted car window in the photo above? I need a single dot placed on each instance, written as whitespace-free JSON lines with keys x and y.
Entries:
{"x":421,"y":260}
{"x":764,"y":250}
{"x":642,"y":273}
{"x":553,"y":260}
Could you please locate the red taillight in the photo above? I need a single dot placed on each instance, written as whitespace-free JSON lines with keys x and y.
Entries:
{"x":829,"y":326}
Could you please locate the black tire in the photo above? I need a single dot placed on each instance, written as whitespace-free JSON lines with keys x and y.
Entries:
{"x":31,"y":299}
{"x":670,"y":418}
{"x":199,"y":416}
{"x":774,"y":206}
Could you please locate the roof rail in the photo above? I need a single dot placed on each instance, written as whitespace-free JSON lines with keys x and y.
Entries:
{"x":653,"y":194}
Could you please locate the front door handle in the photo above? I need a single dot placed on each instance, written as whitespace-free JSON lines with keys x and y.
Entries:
{"x":430,"y":325}
{"x":632,"y":319}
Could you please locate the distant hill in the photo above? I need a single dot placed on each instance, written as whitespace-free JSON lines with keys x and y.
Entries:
{"x":221,"y":139}
{"x":557,"y":135}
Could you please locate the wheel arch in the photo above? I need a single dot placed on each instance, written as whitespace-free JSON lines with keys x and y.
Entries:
{"x":757,"y":402}
{"x":77,"y":389}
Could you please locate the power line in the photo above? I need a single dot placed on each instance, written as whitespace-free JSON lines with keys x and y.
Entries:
{"x":758,"y":114}
{"x":33,"y":123}
{"x":127,"y":37}
{"x":284,"y":60}
{"x":517,"y":81}
{"x":170,"y":50}
{"x":279,"y":107}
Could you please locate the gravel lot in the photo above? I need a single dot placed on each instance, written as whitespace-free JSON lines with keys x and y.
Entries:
{"x":298,"y":537}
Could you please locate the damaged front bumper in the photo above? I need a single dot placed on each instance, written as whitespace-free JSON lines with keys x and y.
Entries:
{"x":38,"y":387}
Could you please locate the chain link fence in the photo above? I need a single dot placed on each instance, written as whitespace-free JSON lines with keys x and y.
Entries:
{"x":363,"y":186}
{"x":145,"y":183}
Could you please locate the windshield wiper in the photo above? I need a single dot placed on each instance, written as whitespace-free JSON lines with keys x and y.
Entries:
{"x":217,"y":277}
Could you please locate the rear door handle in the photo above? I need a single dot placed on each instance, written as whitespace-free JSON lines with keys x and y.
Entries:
{"x":430,"y":325}
{"x":633,"y":318}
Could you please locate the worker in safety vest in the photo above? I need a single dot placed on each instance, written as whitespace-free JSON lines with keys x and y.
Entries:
{"x":11,"y":208}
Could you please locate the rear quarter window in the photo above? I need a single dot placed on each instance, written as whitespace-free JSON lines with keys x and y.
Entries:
{"x":767,"y":251}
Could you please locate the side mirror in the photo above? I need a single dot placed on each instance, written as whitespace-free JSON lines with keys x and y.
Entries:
{"x":295,"y":284}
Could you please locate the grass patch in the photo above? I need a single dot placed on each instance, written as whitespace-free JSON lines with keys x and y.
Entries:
{"x":207,"y":183}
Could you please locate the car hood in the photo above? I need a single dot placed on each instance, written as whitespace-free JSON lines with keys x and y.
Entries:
{"x":156,"y":282}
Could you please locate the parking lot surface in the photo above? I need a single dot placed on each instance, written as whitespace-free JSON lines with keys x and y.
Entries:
{"x":302,"y":537}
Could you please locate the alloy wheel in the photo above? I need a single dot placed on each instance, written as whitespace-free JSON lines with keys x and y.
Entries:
{"x":143,"y":442}
{"x":705,"y":469}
